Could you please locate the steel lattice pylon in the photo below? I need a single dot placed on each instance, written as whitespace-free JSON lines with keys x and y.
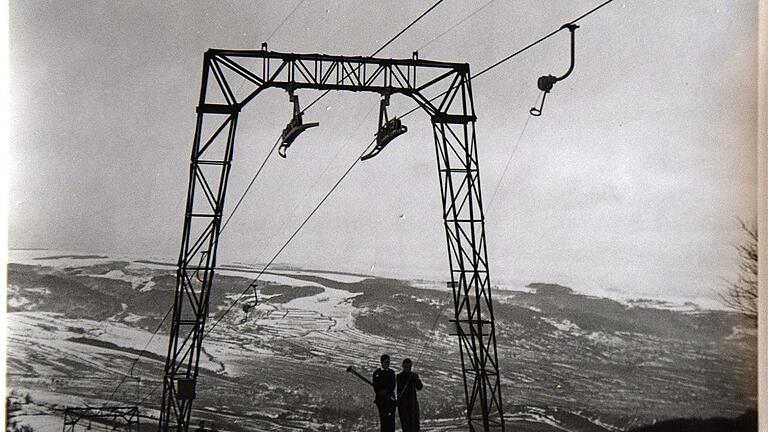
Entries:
{"x":444,"y":91}
{"x":126,"y":418}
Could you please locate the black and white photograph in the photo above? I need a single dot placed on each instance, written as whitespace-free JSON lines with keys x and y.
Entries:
{"x":394,"y":215}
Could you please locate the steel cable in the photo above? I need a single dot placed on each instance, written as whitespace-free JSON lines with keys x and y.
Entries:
{"x":509,"y":160}
{"x":478,"y":10}
{"x":279,"y":26}
{"x":520,"y":51}
{"x":282,"y":248}
{"x":382,"y":47}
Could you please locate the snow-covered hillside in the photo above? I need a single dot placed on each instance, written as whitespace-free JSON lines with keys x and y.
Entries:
{"x":77,"y":325}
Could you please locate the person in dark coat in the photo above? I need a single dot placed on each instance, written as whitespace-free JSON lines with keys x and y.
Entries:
{"x":408,"y":383}
{"x":384,"y":385}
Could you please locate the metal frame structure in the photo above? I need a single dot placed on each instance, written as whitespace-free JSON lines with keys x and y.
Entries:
{"x":444,"y":92}
{"x":125,"y":415}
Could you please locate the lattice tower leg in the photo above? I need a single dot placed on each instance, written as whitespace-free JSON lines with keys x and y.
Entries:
{"x":209,"y":171}
{"x":456,"y":148}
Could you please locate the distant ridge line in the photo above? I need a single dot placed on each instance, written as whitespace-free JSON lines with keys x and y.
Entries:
{"x":252,"y":269}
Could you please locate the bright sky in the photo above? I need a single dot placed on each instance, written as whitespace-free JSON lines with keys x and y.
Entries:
{"x":630,"y":184}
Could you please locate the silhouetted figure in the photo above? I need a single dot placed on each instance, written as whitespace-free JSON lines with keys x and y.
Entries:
{"x":384,"y":385}
{"x":201,"y":427}
{"x":407,"y":403}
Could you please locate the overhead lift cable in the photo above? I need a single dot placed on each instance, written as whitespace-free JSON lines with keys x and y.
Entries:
{"x":246,"y":308}
{"x":384,"y":46}
{"x":412,"y":23}
{"x":522,"y":50}
{"x":595,"y":9}
{"x":282,"y":248}
{"x":248,"y":188}
{"x":509,"y":160}
{"x":407,"y":27}
{"x":316,"y":181}
{"x":141,"y":354}
{"x":144,"y":350}
{"x":279,"y":26}
{"x":463,"y":20}
{"x":400,"y":33}
{"x":271,"y":261}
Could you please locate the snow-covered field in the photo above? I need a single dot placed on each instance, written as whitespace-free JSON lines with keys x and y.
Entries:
{"x":81,"y":332}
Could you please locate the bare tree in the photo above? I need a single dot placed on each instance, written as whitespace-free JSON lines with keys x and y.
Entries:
{"x":741,"y":294}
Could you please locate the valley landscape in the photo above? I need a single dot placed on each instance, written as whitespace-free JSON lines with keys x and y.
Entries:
{"x":571,"y":362}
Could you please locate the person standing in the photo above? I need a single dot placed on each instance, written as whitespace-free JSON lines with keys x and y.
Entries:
{"x":408,"y":383}
{"x":201,"y":427}
{"x":384,"y":385}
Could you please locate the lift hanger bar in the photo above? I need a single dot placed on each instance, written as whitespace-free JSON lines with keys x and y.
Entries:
{"x":546,"y":82}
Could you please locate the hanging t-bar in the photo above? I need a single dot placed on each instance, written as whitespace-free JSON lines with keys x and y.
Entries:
{"x":389,"y":129}
{"x":295,"y":127}
{"x":546,"y":82}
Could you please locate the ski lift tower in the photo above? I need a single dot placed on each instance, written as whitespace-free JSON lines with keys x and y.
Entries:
{"x":124,"y":419}
{"x":443,"y":90}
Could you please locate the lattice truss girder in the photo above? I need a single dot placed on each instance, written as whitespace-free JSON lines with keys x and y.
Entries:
{"x":433,"y":85}
{"x":127,"y":418}
{"x":230,"y":80}
{"x":209,"y":171}
{"x":456,"y":149}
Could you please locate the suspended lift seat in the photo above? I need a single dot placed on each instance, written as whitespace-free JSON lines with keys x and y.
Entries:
{"x":386,"y":133}
{"x":295,"y":127}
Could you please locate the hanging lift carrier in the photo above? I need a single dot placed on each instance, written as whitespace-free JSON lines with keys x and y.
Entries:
{"x":546,"y":82}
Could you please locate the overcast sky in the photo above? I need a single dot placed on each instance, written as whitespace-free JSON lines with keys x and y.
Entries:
{"x":629,"y":184}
